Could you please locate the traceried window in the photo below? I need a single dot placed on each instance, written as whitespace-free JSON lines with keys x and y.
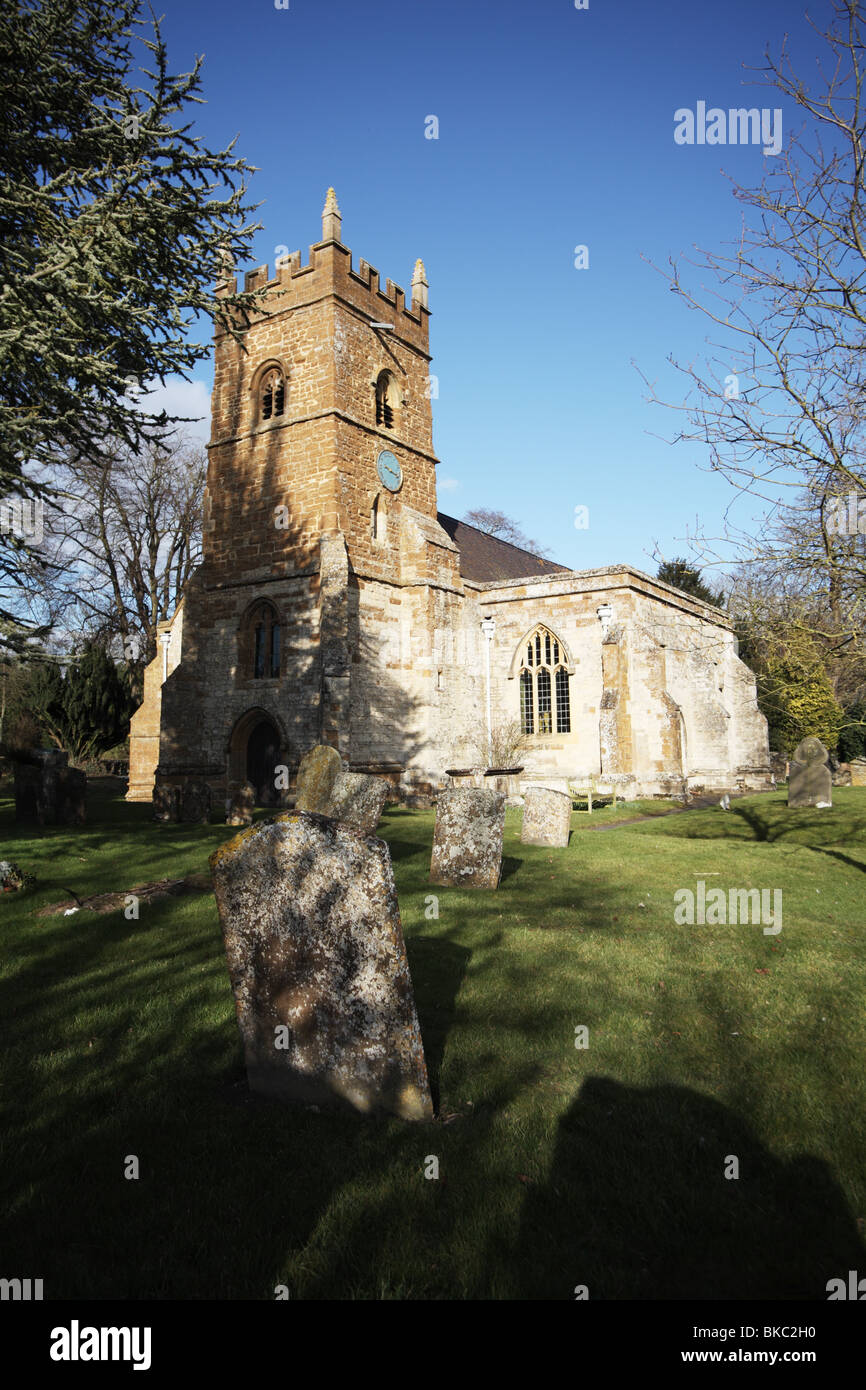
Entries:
{"x":262,"y":642}
{"x":272,"y":394}
{"x":545,"y":707}
{"x":386,"y":400}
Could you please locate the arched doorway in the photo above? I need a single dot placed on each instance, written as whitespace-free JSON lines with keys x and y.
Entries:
{"x":263,"y":749}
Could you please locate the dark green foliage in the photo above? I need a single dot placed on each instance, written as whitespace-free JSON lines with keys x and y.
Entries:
{"x":852,"y":739}
{"x":682,"y":575}
{"x":115,"y":225}
{"x":88,"y":711}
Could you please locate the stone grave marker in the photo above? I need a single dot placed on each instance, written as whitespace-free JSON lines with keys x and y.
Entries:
{"x":467,"y":839}
{"x":195,"y":803}
{"x":810,"y":781}
{"x":48,"y":791}
{"x":858,"y":772}
{"x":358,"y":799}
{"x":317,"y":773}
{"x":166,"y":803}
{"x":240,"y":809}
{"x":546,"y":817}
{"x":317,"y":963}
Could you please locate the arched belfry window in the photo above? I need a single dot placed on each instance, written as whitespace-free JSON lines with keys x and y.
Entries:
{"x":545,"y":705}
{"x":271,"y":394}
{"x":261,"y":642}
{"x":386,"y":400}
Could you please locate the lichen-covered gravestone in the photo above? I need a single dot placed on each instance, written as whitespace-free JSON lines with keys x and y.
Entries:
{"x":357,"y":799}
{"x":467,"y":839}
{"x":546,"y":817}
{"x":810,"y":782}
{"x":240,"y":810}
{"x":318,"y":771}
{"x":166,"y":803}
{"x":195,"y":803}
{"x":318,"y":967}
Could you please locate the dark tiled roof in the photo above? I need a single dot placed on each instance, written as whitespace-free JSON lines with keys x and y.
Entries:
{"x":485,"y":558}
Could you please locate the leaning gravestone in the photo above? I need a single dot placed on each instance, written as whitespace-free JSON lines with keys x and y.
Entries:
{"x":358,"y":799}
{"x":240,"y":810}
{"x":318,"y":967}
{"x":317,"y":773}
{"x":467,"y":840}
{"x":166,"y":803}
{"x":810,"y":782}
{"x":195,"y":803}
{"x":546,"y":817}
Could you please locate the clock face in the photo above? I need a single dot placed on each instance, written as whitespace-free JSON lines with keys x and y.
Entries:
{"x":389,"y":470}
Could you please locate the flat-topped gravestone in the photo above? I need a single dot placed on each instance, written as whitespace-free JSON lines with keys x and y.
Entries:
{"x":195,"y":803}
{"x":358,"y":799}
{"x":546,"y":817}
{"x":810,"y":782}
{"x":317,"y":963}
{"x":467,"y":839}
{"x":858,"y":772}
{"x":48,"y":791}
{"x":241,"y":805}
{"x":318,"y":771}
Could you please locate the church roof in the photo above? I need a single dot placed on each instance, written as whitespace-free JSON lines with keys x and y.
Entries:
{"x":485,"y":558}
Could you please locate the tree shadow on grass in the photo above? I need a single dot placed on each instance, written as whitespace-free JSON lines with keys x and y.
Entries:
{"x":637,"y":1206}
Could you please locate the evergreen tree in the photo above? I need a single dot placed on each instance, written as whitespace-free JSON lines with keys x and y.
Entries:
{"x":682,"y":575}
{"x":115,"y":224}
{"x":97,"y":705}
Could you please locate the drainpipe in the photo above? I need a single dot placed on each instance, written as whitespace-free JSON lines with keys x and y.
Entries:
{"x":165,"y":638}
{"x":488,"y":627}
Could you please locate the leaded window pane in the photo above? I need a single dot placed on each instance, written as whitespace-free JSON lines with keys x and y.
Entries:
{"x":527,"y":724}
{"x":544,"y":701}
{"x":563,"y":706}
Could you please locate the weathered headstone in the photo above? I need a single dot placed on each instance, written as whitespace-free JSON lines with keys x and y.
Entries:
{"x":810,"y":782}
{"x":546,"y":817}
{"x":467,"y":839}
{"x":48,"y":791}
{"x":358,"y":799}
{"x":318,"y":771}
{"x":195,"y":803}
{"x":858,"y":772}
{"x":318,"y":967}
{"x":166,"y":803}
{"x":240,"y":810}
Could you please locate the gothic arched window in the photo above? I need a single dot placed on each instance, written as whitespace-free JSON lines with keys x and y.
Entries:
{"x":272,"y":394}
{"x":545,"y":706}
{"x":261,"y":642}
{"x":386,"y":400}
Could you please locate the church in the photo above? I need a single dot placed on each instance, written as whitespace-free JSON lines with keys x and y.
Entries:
{"x":335,"y":604}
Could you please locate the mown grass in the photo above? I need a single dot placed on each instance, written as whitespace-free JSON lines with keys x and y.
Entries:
{"x":559,"y":1166}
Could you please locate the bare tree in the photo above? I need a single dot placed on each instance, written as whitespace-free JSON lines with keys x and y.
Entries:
{"x":780,"y":399}
{"x":498,"y":524}
{"x":122,"y":538}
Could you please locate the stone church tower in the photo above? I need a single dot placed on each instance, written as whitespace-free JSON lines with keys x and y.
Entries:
{"x":335,"y":603}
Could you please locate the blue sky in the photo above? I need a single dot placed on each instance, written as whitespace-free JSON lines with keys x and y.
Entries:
{"x":555,"y":130}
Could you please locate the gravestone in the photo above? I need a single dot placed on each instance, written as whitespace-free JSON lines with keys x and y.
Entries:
{"x":317,"y":773}
{"x":358,"y":799}
{"x":317,"y":963}
{"x":166,"y":803}
{"x":195,"y":803}
{"x":240,"y":811}
{"x":467,"y":839}
{"x":546,"y":817}
{"x":810,"y":782}
{"x":858,"y":772}
{"x":48,"y":791}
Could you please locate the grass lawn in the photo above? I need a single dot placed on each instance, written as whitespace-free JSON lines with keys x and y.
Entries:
{"x":559,"y":1166}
